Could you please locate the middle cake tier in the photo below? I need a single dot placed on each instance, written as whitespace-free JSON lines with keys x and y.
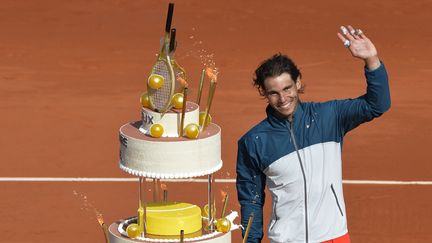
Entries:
{"x":169,"y":157}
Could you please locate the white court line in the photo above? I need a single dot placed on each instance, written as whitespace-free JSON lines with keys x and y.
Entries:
{"x":376,"y":182}
{"x":84,"y":179}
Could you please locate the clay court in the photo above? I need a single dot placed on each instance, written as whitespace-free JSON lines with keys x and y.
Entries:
{"x":71,"y":73}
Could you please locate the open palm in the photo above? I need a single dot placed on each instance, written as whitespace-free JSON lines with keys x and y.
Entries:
{"x":360,"y":46}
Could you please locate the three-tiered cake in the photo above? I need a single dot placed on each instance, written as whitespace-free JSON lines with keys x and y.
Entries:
{"x":173,"y":140}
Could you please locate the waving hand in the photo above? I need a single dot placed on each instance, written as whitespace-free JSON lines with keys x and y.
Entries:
{"x":360,"y":46}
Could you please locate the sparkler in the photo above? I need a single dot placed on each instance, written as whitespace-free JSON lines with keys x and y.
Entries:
{"x":103,"y":226}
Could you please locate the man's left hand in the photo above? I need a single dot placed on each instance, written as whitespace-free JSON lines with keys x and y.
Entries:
{"x":360,"y":46}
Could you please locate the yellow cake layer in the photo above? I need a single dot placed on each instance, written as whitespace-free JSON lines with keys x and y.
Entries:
{"x":171,"y":217}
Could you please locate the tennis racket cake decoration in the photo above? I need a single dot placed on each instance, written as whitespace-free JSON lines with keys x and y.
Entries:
{"x":166,"y":86}
{"x":179,"y":72}
{"x":161,"y":81}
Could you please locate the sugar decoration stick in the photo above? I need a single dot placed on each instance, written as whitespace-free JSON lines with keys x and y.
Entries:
{"x":209,"y":102}
{"x":225,"y":203}
{"x":156,"y":186}
{"x":154,"y":190}
{"x":165,"y":196}
{"x":142,"y":209}
{"x":210,"y":203}
{"x":246,"y":235}
{"x":164,"y":189}
{"x":200,"y":87}
{"x":185,"y":92}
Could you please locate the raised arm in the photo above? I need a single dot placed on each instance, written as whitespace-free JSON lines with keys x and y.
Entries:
{"x":376,"y":101}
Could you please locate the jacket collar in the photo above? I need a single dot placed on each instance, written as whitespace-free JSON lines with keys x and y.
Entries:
{"x":276,"y":121}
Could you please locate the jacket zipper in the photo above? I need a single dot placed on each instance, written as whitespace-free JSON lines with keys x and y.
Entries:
{"x":304,"y":180}
{"x":274,"y":212}
{"x":337,"y":201}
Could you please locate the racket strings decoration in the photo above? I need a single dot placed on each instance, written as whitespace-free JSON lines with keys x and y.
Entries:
{"x":160,"y":98}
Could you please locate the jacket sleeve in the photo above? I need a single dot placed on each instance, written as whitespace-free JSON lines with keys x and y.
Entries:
{"x":353,"y":112}
{"x":250,"y":191}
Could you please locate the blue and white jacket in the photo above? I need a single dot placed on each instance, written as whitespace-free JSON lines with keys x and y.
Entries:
{"x":300,"y":162}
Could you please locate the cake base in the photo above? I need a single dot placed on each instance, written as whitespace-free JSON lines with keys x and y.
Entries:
{"x":116,"y":236}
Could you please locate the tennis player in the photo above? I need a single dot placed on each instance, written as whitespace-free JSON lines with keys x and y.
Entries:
{"x":296,"y":150}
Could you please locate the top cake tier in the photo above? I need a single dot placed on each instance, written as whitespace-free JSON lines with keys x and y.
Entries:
{"x":170,"y":121}
{"x":169,"y":156}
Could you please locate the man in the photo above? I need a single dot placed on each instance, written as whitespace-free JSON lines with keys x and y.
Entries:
{"x":296,"y":150}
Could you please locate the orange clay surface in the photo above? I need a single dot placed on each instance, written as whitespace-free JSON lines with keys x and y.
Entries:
{"x":72,"y":72}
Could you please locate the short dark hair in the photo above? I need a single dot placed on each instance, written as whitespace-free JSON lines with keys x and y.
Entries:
{"x":273,"y":67}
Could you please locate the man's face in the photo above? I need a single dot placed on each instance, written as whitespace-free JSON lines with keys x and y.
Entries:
{"x":282,"y":94}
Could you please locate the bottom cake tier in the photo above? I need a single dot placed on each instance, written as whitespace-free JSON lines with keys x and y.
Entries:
{"x":117,"y":234}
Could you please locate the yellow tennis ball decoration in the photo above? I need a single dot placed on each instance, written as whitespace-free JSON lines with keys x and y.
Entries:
{"x":155,"y":81}
{"x":202,"y":117}
{"x":177,"y":100}
{"x":133,"y":231}
{"x":192,"y":130}
{"x":145,"y":100}
{"x":156,"y":130}
{"x":223,"y":225}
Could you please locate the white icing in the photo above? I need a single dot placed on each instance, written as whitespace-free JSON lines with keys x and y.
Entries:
{"x":170,"y":175}
{"x":170,"y":159}
{"x":165,"y":135}
{"x":233,"y":215}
